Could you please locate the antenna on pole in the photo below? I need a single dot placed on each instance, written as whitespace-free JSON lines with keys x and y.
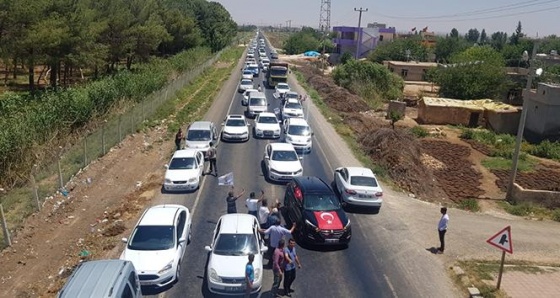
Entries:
{"x":325,"y":16}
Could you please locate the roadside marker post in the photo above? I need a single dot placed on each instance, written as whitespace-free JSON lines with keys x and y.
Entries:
{"x":502,"y":240}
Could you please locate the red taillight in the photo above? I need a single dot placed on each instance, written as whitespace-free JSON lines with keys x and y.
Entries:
{"x":350,"y":192}
{"x":378,"y":194}
{"x":297,"y":193}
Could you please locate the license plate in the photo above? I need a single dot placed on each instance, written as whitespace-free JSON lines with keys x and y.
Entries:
{"x":365,"y":196}
{"x":268,"y":133}
{"x":331,"y":240}
{"x":233,"y":289}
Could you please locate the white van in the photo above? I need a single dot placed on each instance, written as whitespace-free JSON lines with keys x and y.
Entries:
{"x":102,"y":278}
{"x":256,"y":103}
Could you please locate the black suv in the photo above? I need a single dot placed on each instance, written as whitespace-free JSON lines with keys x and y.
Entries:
{"x":316,"y":210}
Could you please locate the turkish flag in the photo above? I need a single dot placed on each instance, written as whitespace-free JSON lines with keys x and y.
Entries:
{"x":413,"y":29}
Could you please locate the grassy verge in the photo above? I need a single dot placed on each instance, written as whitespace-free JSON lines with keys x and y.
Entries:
{"x":499,"y":163}
{"x":483,"y":274}
{"x":342,"y":129}
{"x":531,"y":211}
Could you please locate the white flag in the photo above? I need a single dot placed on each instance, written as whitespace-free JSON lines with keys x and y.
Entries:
{"x":226,"y":179}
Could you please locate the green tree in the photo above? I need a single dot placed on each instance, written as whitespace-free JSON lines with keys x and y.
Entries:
{"x":498,"y":40}
{"x":476,"y":73}
{"x":448,"y":46}
{"x":308,"y":39}
{"x":472,"y":36}
{"x":454,"y":33}
{"x":483,"y":37}
{"x":397,"y":50}
{"x":216,"y":24}
{"x":515,"y":37}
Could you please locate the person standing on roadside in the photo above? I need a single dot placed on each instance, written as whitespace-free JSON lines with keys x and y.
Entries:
{"x":442,"y":228}
{"x":278,"y":264}
{"x":252,"y":203}
{"x":249,"y":275}
{"x":291,"y":259}
{"x":178,"y":138}
{"x":263,"y":214}
{"x":231,"y":200}
{"x":211,"y":156}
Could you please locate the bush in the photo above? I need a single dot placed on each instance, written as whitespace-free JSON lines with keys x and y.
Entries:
{"x":522,"y":209}
{"x":469,"y":205}
{"x":419,"y":131}
{"x":546,"y":149}
{"x":556,"y":215}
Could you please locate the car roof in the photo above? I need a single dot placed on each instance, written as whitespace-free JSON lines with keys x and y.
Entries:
{"x":251,"y":90}
{"x":160,"y":215}
{"x":247,"y":71}
{"x":258,"y":94}
{"x":292,"y":100}
{"x":281,"y":146}
{"x":235,"y":116}
{"x":247,"y":80}
{"x":312,"y":184}
{"x":267,"y":114}
{"x":200,"y":125}
{"x":297,"y":121}
{"x":360,"y":171}
{"x":187,"y":152}
{"x":237,"y":223}
{"x":282,"y":84}
{"x":291,"y":92}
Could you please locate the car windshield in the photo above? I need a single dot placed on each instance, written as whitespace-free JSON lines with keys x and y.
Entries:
{"x":291,"y":95}
{"x":282,"y":86}
{"x":152,"y":238}
{"x":321,"y":202}
{"x":247,"y":82}
{"x":363,"y":181}
{"x":247,"y":72}
{"x":299,"y":130}
{"x":287,"y":155}
{"x":257,"y":101}
{"x":236,"y":245}
{"x":279,"y":71}
{"x":267,"y":119}
{"x":235,"y":122}
{"x":198,"y":135}
{"x":182,"y":163}
{"x":293,"y":105}
{"x":252,"y":68}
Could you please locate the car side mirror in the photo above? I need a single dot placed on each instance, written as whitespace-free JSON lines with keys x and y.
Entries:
{"x":166,"y":166}
{"x":124,"y":240}
{"x":223,"y":124}
{"x":266,"y":157}
{"x":208,"y":248}
{"x":182,"y":240}
{"x":312,"y":134}
{"x":300,"y":157}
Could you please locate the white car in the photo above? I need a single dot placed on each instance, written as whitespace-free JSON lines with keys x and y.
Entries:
{"x":235,"y":128}
{"x":247,"y":74}
{"x":281,"y":89}
{"x":157,"y":244}
{"x":184,"y":170}
{"x":281,"y":162}
{"x":245,"y":98}
{"x":267,"y":126}
{"x":251,"y":54}
{"x":298,"y":133}
{"x":292,"y":108}
{"x":235,"y":237}
{"x":358,"y":186}
{"x":245,"y":84}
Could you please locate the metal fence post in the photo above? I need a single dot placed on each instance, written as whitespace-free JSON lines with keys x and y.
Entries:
{"x":35,"y":191}
{"x":85,"y":152}
{"x":7,"y":239}
{"x":60,"y":178}
{"x":120,"y":131}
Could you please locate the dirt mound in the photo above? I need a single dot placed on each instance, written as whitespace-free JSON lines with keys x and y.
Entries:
{"x":336,"y":97}
{"x":458,"y":178}
{"x":404,"y":165}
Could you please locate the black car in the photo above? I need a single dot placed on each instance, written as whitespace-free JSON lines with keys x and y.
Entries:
{"x":274,"y":56}
{"x":316,"y":210}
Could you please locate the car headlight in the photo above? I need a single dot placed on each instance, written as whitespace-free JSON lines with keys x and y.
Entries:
{"x":259,"y":130}
{"x":289,"y":139}
{"x":307,"y":222}
{"x":166,"y":268}
{"x":214,"y":276}
{"x":168,"y":181}
{"x":300,"y":171}
{"x":347,"y":226}
{"x":277,"y":131}
{"x":308,"y":140}
{"x":195,"y":179}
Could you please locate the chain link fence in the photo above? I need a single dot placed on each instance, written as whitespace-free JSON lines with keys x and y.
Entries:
{"x":46,"y":179}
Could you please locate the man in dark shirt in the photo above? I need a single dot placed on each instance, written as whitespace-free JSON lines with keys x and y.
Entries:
{"x":231,"y":199}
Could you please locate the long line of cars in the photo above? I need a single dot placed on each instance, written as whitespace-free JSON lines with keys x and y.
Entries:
{"x":157,"y":244}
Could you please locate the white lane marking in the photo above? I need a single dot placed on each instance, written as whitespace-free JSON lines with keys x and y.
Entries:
{"x":390,"y":286}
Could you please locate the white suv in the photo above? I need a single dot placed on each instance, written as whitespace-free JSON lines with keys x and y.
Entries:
{"x":157,"y":244}
{"x":281,"y":162}
{"x":235,"y":237}
{"x":298,"y":133}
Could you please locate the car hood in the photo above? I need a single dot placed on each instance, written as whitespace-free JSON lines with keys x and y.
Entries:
{"x":327,"y":220}
{"x":293,"y":111}
{"x":268,"y":126}
{"x":299,"y":139}
{"x":197,"y":144}
{"x":235,"y":129}
{"x":232,"y":266}
{"x":179,"y":175}
{"x":285,"y":166}
{"x":148,"y":260}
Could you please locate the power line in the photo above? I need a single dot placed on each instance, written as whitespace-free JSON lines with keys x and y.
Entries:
{"x":499,"y":16}
{"x":502,"y":8}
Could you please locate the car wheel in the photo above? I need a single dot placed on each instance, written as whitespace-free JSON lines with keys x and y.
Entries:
{"x":189,"y":237}
{"x":178,"y":272}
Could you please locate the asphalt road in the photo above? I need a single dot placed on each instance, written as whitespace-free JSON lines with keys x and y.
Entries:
{"x":371,"y":266}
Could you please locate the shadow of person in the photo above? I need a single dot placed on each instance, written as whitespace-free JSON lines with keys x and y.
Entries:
{"x":433,"y":250}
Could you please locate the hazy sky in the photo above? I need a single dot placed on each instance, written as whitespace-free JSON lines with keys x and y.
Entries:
{"x":540,"y":17}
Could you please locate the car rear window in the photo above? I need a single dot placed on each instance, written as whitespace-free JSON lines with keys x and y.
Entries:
{"x":363,"y":181}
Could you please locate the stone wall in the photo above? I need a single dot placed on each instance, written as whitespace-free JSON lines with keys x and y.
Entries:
{"x":545,"y":198}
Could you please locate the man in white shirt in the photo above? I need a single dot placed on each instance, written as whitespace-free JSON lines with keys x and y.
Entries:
{"x":442,"y":228}
{"x":252,"y":203}
{"x":263,"y":214}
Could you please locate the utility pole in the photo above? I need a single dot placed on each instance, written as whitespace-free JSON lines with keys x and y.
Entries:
{"x":359,"y":41}
{"x":521,"y":128}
